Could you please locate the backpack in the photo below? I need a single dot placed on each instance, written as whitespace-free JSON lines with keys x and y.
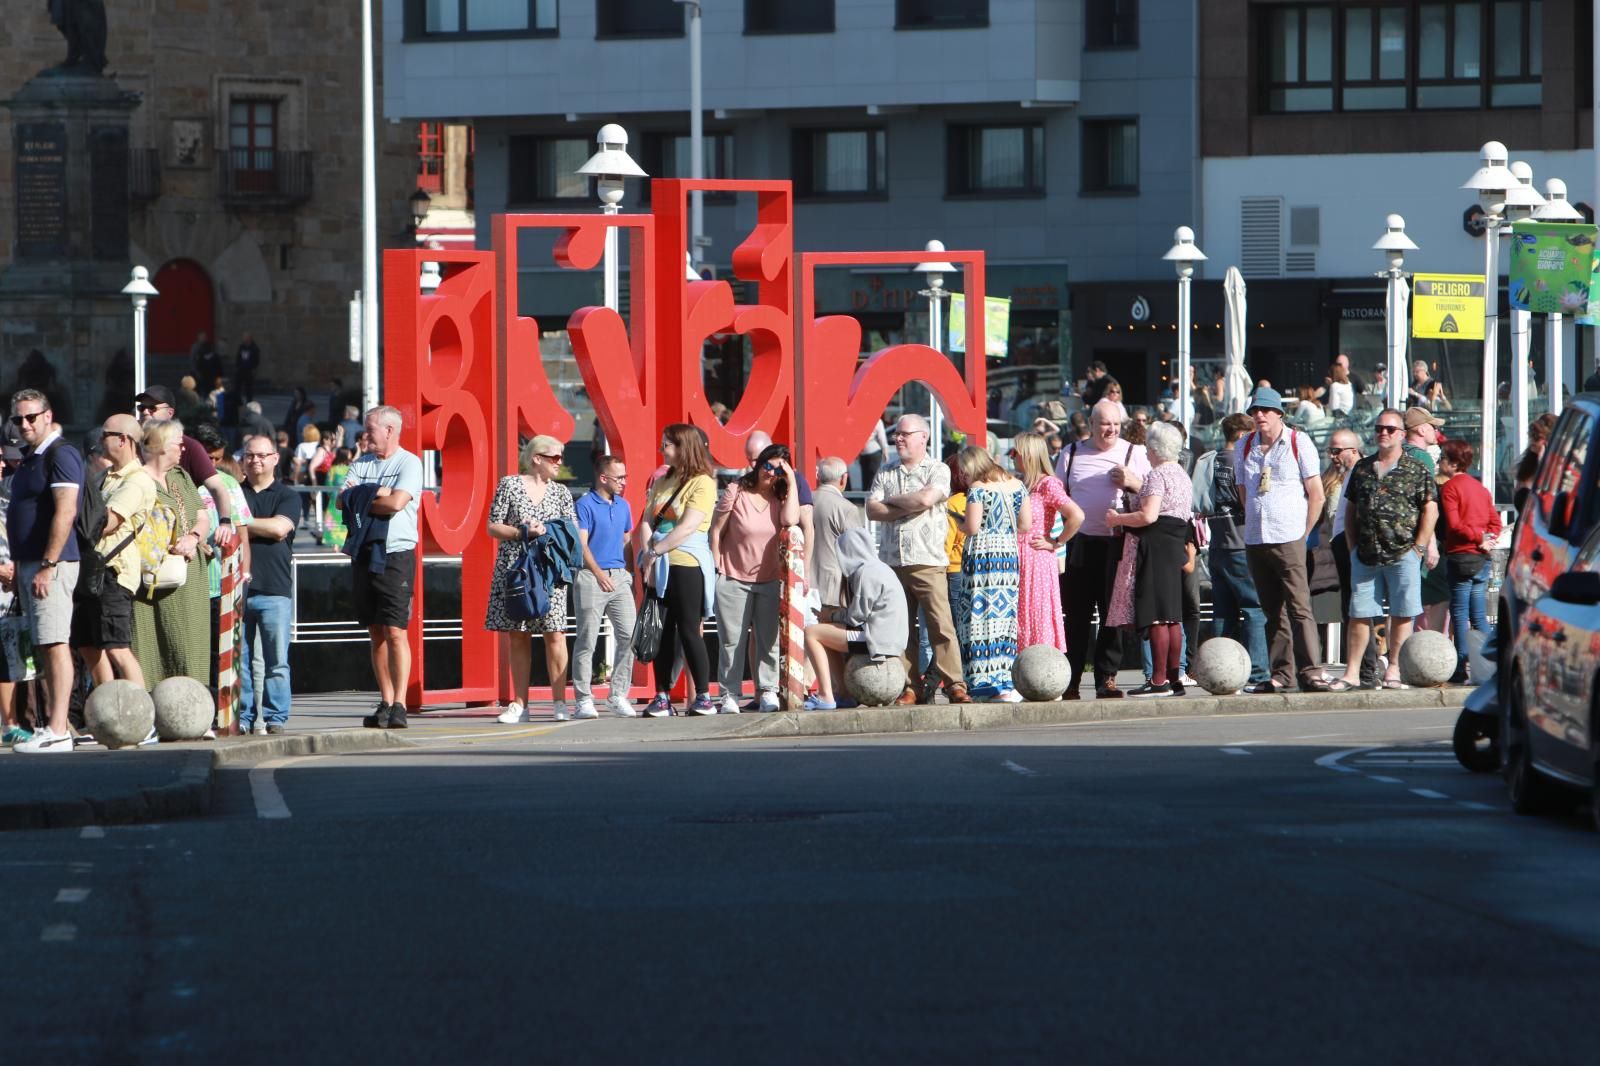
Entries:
{"x":1204,"y":482}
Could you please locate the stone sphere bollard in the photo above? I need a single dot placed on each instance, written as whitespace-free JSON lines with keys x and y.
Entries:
{"x":1427,"y":659}
{"x":184,"y":709}
{"x":1041,"y":673}
{"x":874,"y":684}
{"x":1221,"y":666}
{"x":119,"y":714}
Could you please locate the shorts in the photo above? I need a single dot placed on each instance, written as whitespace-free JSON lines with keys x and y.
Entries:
{"x":856,"y":642}
{"x":1399,"y":583}
{"x":49,"y":619}
{"x":384,"y":599}
{"x":106,"y":622}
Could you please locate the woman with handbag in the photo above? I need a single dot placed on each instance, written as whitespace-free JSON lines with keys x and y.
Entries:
{"x":674,"y":553}
{"x":1469,"y":526}
{"x":172,"y":611}
{"x":522,"y":505}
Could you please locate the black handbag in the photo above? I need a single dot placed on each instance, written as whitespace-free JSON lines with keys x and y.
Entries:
{"x":1464,"y":566}
{"x":647,"y":629}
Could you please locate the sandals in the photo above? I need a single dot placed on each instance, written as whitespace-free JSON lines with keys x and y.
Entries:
{"x":1394,"y":683}
{"x":1339,"y":684}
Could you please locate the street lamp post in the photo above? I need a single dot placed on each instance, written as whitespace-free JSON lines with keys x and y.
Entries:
{"x":139,"y":290}
{"x":419,"y":202}
{"x":1522,"y":200}
{"x":1394,"y":244}
{"x":1184,"y":255}
{"x":934,"y":271}
{"x":1494,"y":181}
{"x":1555,"y":209}
{"x":697,"y":160}
{"x":609,"y":166}
{"x":369,"y":218}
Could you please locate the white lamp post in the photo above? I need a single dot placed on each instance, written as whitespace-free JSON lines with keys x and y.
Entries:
{"x":1394,"y":244}
{"x":697,"y":161}
{"x":1184,"y":255}
{"x":610,"y":165}
{"x":1494,"y":181}
{"x":934,"y":272}
{"x":1521,"y":200}
{"x":1555,"y":209}
{"x":139,"y":290}
{"x":369,"y":219}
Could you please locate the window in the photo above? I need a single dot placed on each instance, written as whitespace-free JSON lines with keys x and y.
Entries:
{"x":1005,"y":160}
{"x":842,"y":163}
{"x":1374,"y":59}
{"x":1518,"y":53}
{"x":453,"y":18}
{"x":1299,"y":60}
{"x":544,"y":169}
{"x":253,"y":144}
{"x":1449,"y":54}
{"x":668,"y":155}
{"x":1110,"y":155}
{"x":638,"y":18}
{"x":430,"y":157}
{"x":940,"y":14}
{"x":788,"y":16}
{"x":1111,"y":23}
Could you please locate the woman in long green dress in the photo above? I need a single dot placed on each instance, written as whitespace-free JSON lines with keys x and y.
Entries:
{"x":171,"y":634}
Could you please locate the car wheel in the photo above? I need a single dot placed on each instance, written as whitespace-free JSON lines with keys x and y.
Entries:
{"x":1477,"y":742}
{"x":1528,"y":790}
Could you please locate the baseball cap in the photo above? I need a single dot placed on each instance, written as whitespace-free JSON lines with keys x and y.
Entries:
{"x":157,"y":394}
{"x":1421,"y":416}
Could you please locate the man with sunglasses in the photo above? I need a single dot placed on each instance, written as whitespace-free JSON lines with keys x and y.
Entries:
{"x":604,"y":588}
{"x":1344,"y":448}
{"x":157,"y":402}
{"x":44,"y":502}
{"x":102,"y":626}
{"x":269,"y":606}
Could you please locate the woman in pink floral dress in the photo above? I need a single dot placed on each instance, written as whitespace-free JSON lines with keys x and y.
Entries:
{"x":1039,"y":610}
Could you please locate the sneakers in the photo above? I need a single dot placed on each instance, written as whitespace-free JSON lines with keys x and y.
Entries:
{"x":397,"y":716}
{"x":728,"y":705}
{"x":1010,"y":695}
{"x":1179,"y":689}
{"x":513,"y":714}
{"x":702,"y":705}
{"x":15,"y":735}
{"x":45,"y":742}
{"x":585,"y":709}
{"x":660,"y":707}
{"x":621,"y":706}
{"x":1151,"y":690}
{"x":276,"y":729}
{"x":150,"y":738}
{"x":769,"y":702}
{"x":378,"y":719}
{"x":1186,"y":681}
{"x":558,"y":708}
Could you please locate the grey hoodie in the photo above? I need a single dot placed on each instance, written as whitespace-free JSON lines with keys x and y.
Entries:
{"x":874,"y":600}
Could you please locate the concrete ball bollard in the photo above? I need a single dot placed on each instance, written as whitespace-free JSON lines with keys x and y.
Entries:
{"x":119,"y":714}
{"x":184,"y":709}
{"x":1221,"y":666}
{"x":874,"y":684}
{"x":1041,"y":673}
{"x":1427,"y":659}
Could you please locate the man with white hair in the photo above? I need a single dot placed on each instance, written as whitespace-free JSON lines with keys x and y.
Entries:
{"x":908,"y":500}
{"x":833,"y":515}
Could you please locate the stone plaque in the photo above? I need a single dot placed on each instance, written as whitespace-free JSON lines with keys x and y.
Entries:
{"x":41,"y":190}
{"x":108,"y":193}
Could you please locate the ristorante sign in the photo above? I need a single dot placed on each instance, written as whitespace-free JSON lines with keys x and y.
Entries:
{"x":464,"y":368}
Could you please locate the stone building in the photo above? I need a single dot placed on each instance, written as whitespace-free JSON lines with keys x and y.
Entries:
{"x":244,"y":184}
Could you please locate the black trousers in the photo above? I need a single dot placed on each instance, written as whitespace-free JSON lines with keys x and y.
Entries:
{"x":1370,"y":674}
{"x":680,"y":623}
{"x":1086,"y":585}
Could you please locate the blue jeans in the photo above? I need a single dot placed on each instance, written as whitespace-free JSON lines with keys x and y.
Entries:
{"x":268,"y":616}
{"x":1233,"y":593}
{"x":1468,"y":603}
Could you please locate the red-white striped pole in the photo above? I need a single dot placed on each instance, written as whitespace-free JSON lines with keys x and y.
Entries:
{"x":792,"y":631}
{"x":228,"y":616}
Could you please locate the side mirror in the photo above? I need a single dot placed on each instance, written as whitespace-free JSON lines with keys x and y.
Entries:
{"x":1560,"y":514}
{"x":1581,"y":587}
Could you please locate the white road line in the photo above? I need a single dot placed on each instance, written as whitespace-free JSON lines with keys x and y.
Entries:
{"x":1332,"y":760}
{"x":1021,"y":770}
{"x":264,"y":790}
{"x":1234,"y":751}
{"x":1428,"y":793}
{"x":58,"y":934}
{"x":1471,"y":805}
{"x":1386,"y":780}
{"x":1317,"y":736}
{"x":91,"y":832}
{"x":72,"y":895}
{"x":1244,"y":743}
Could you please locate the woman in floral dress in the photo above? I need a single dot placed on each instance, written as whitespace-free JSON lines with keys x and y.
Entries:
{"x":1039,"y":611}
{"x":997,"y":507}
{"x":530,"y":499}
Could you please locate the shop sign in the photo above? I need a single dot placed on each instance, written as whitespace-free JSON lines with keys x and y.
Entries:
{"x":1447,"y":307}
{"x":996,"y":324}
{"x":1551,"y":263}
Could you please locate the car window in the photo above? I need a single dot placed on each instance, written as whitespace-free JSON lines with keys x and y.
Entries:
{"x":1550,"y":470}
{"x":1572,"y":469}
{"x":1589,"y":554}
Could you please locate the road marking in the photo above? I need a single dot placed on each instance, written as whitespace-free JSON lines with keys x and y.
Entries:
{"x":496,"y":734}
{"x":1318,"y":736}
{"x":1244,"y":743}
{"x":264,"y":790}
{"x":1234,"y":751}
{"x":1472,"y":805}
{"x":1021,"y":770}
{"x":1331,"y":761}
{"x":91,"y":832}
{"x":58,"y":934}
{"x":72,"y":895}
{"x":1386,"y":780}
{"x":1428,"y":793}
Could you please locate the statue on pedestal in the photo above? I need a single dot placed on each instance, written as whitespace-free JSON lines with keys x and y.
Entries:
{"x":83,"y":24}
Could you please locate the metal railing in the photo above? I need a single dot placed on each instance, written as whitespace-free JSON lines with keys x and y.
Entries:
{"x":267,"y":177}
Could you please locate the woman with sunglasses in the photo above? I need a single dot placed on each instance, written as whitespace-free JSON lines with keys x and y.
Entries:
{"x":744,"y":545}
{"x":674,"y":553}
{"x":526,"y":501}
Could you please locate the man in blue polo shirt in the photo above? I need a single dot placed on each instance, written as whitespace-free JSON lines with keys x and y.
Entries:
{"x":604,"y":587}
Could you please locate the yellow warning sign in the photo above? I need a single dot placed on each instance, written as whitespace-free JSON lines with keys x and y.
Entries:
{"x":1447,"y":306}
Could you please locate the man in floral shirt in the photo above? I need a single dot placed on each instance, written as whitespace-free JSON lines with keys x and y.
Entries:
{"x":1392,"y":507}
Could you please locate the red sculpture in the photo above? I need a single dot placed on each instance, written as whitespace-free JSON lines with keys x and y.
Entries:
{"x":465,"y":369}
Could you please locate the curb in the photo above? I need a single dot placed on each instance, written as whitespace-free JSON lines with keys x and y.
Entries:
{"x":190,"y":795}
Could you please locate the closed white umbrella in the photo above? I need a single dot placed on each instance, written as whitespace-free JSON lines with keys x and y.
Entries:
{"x":1237,"y":384}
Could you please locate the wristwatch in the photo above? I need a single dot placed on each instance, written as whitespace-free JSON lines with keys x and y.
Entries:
{"x":225,"y":520}
{"x":48,"y":564}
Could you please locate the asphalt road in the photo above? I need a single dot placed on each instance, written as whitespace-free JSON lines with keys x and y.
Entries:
{"x":1311,"y":887}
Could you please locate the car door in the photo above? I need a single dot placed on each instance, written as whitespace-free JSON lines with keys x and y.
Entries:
{"x":1539,"y":678}
{"x":1539,"y":557}
{"x":1574,"y":652}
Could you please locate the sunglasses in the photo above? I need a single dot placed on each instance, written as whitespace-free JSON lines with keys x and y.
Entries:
{"x":1389,"y":429}
{"x":553,"y":458}
{"x":106,"y":434}
{"x":25,"y":420}
{"x":772,"y":468}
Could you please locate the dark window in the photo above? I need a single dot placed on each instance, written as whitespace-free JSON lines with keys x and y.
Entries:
{"x":1374,"y":59}
{"x":450,"y":18}
{"x":843,"y":163}
{"x":1449,"y":55}
{"x":638,"y":18}
{"x":430,"y":157}
{"x":788,"y":16}
{"x":545,"y":169}
{"x":668,"y":155}
{"x":940,"y":14}
{"x":1110,"y":155}
{"x":1518,"y":53}
{"x":1111,"y":23}
{"x":1299,"y":59}
{"x":1006,"y":160}
{"x":253,"y":144}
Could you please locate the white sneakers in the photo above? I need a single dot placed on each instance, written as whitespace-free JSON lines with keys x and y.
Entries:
{"x":769,"y":702}
{"x":1010,"y":695}
{"x":45,"y":742}
{"x":621,"y":706}
{"x":559,"y":710}
{"x":728,"y":705}
{"x":585,"y":709}
{"x":513,"y":714}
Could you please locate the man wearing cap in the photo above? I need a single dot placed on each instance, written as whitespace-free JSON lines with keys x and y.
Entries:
{"x":1422,"y":437}
{"x":157,"y":402}
{"x":1280,"y":487}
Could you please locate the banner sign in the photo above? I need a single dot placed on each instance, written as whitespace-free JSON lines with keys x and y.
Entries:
{"x":1447,"y":307}
{"x":996,"y":324}
{"x":1551,"y":263}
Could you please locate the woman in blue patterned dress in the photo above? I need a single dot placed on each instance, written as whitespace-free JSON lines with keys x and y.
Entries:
{"x":997,"y":506}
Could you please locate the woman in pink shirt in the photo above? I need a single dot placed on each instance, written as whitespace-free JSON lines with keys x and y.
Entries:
{"x":1039,"y":612}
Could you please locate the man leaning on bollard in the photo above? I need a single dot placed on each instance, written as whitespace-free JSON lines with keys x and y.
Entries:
{"x":102,"y":625}
{"x":604,"y":587}
{"x":269,"y":605}
{"x":1275,"y":470}
{"x":909,"y":500}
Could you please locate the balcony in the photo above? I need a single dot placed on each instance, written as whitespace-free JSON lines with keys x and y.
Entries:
{"x":265,"y":178}
{"x":144,"y":174}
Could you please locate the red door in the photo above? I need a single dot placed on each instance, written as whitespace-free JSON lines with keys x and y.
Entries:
{"x":184,"y":309}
